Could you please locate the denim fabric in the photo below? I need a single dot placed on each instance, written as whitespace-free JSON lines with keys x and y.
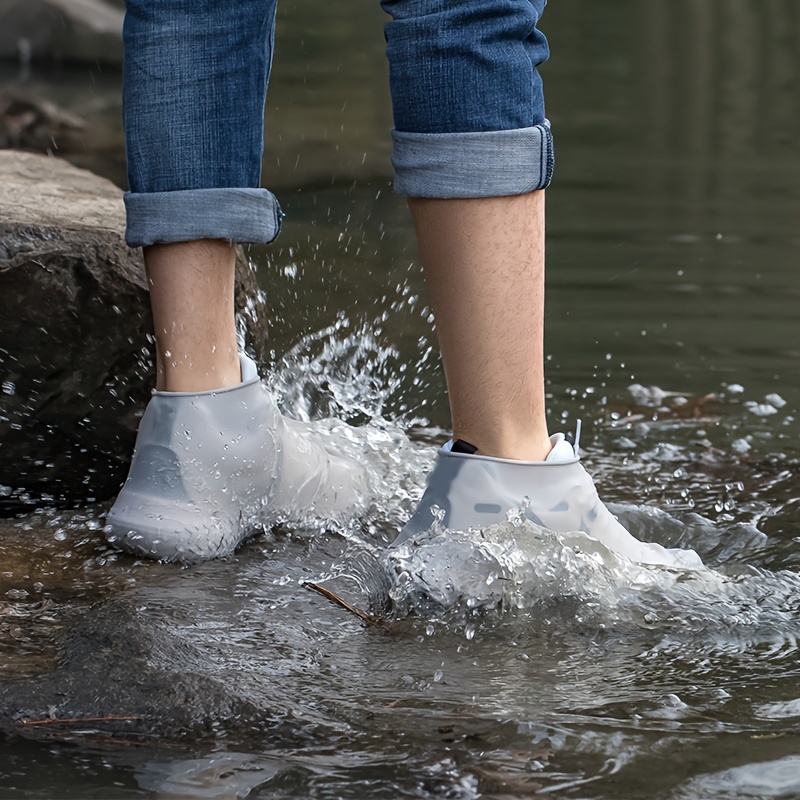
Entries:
{"x":467,"y":97}
{"x":465,"y":65}
{"x":241,"y":215}
{"x":194,"y":86}
{"x":468,"y":109}
{"x":483,"y":164}
{"x":195,"y":82}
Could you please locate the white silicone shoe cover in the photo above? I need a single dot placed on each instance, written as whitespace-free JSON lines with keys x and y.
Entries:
{"x":211,"y":468}
{"x":474,"y":491}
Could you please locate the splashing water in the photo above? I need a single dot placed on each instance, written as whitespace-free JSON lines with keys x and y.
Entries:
{"x":341,"y":382}
{"x":524,"y":568}
{"x":344,"y":374}
{"x":514,"y":567}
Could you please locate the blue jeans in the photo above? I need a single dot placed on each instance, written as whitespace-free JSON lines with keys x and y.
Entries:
{"x":467,"y":98}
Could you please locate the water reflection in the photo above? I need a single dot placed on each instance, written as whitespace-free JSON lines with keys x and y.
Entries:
{"x":677,"y":195}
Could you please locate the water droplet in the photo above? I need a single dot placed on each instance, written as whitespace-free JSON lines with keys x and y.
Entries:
{"x":776,"y":400}
{"x":516,"y":517}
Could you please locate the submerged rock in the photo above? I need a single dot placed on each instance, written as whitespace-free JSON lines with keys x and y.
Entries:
{"x":75,"y":360}
{"x":155,"y":654}
{"x":62,"y":30}
{"x":119,"y":664}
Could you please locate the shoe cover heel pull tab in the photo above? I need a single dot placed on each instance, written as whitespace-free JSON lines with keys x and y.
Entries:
{"x":575,"y":439}
{"x":248,"y":367}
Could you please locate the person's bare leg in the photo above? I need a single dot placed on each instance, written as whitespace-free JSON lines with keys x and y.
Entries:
{"x":191,"y":294}
{"x":484,"y":265}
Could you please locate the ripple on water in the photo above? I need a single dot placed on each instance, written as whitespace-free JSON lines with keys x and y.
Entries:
{"x":764,"y":781}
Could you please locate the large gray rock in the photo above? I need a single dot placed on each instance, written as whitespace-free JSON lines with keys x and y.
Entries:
{"x":62,"y":30}
{"x":75,"y":359}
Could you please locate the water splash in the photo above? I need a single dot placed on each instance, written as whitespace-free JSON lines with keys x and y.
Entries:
{"x":345,"y":383}
{"x":772,"y":779}
{"x":345,"y":372}
{"x":522,"y":568}
{"x":517,"y":568}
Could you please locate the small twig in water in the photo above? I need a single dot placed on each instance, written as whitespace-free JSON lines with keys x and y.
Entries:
{"x":340,"y":601}
{"x":76,"y":720}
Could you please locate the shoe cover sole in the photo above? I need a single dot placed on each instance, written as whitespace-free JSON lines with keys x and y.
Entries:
{"x":166,"y":536}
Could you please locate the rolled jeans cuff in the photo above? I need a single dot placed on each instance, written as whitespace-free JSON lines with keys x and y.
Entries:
{"x":241,"y":215}
{"x":482,"y":164}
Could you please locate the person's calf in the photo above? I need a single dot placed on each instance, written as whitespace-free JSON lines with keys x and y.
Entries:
{"x":191,"y":294}
{"x":484,"y":266}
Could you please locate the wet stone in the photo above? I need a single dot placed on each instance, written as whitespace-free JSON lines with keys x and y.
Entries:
{"x":118,"y":663}
{"x":152,"y":654}
{"x":76,"y":363}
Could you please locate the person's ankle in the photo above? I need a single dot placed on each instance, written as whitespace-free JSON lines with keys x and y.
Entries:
{"x":534,"y":447}
{"x":186,"y":375}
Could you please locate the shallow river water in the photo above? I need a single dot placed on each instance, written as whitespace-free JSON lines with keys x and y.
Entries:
{"x":511,"y":663}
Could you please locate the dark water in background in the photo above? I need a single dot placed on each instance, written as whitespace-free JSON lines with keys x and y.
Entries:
{"x":671,"y":330}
